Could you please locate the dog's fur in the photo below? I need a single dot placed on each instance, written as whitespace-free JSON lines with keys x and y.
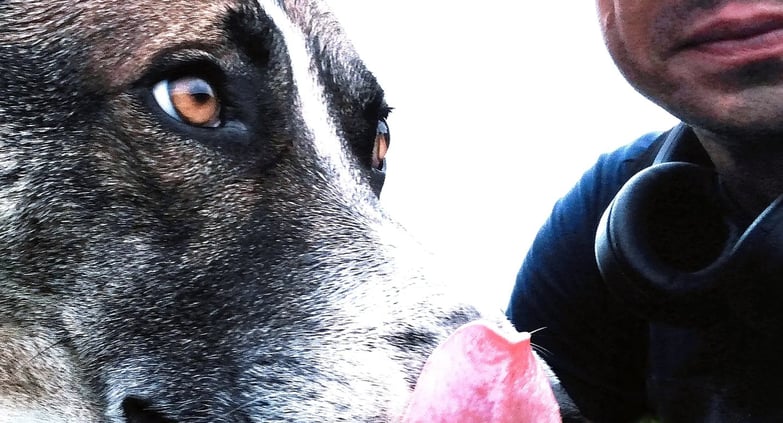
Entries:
{"x":152,"y":271}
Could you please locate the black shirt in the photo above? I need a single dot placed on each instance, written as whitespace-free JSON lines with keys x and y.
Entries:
{"x":618,"y":366}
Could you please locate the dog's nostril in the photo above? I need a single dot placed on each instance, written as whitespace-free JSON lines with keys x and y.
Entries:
{"x":139,"y":411}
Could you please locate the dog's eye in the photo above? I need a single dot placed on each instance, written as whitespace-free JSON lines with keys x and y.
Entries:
{"x":382,"y":138}
{"x":189,"y":99}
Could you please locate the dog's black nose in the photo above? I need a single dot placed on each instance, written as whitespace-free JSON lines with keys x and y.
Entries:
{"x":139,"y":411}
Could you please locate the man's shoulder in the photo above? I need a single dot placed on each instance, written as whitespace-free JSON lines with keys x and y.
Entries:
{"x":622,"y":163}
{"x":642,"y":148}
{"x":611,"y":171}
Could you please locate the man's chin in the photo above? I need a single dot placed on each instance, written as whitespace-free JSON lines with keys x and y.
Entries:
{"x":750,"y":117}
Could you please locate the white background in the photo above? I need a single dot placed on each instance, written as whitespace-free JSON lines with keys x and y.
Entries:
{"x":500,"y":106}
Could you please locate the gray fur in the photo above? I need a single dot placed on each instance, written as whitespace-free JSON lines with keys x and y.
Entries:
{"x":153,"y":273}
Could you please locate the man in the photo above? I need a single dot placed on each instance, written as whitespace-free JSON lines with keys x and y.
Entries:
{"x":711,"y":354}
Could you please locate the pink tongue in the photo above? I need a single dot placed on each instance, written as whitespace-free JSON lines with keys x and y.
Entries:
{"x":477,"y":375}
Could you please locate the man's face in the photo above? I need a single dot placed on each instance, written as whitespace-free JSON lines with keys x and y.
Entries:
{"x":717,"y":64}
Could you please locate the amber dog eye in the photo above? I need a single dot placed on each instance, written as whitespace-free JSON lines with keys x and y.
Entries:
{"x":190,"y":100}
{"x":382,"y":138}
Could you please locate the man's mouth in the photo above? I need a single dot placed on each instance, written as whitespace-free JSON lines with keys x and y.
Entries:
{"x":736,"y":34}
{"x":478,"y":375}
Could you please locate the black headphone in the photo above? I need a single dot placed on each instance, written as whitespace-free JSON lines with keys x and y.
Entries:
{"x":670,"y":247}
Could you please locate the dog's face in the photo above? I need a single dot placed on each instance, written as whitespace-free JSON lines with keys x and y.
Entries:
{"x":187,"y":226}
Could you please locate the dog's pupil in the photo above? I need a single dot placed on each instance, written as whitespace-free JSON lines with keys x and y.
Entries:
{"x":201,"y":98}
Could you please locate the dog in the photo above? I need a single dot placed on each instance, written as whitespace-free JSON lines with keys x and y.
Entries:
{"x":189,"y":219}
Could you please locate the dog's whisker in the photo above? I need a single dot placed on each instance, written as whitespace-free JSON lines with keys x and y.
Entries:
{"x":41,"y":352}
{"x":535,"y":331}
{"x":536,"y":347}
{"x":244,"y":406}
{"x":540,"y":349}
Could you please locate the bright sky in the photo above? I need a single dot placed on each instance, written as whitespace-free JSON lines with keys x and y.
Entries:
{"x":500,"y":106}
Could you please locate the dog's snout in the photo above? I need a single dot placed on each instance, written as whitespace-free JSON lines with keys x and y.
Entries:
{"x":137,"y":410}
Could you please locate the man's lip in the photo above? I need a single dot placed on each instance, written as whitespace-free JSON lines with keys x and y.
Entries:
{"x":732,"y":31}
{"x":736,"y":33}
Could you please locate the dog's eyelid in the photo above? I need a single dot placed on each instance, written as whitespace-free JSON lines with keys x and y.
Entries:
{"x":172,"y":64}
{"x":385,"y":111}
{"x":182,"y":57}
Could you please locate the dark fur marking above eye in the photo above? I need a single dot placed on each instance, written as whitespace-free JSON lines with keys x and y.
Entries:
{"x":251,"y":33}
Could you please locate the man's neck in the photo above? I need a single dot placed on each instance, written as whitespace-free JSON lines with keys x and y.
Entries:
{"x":752,"y":172}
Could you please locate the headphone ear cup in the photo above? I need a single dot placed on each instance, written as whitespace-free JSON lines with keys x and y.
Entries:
{"x":661,"y":243}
